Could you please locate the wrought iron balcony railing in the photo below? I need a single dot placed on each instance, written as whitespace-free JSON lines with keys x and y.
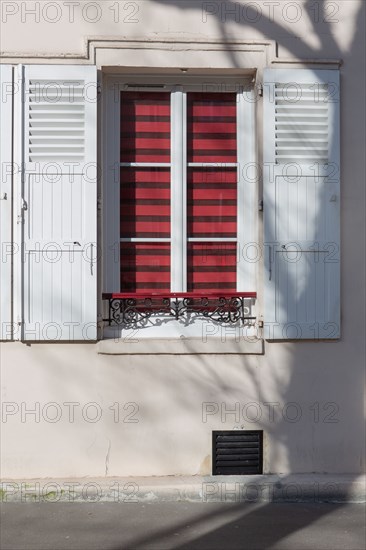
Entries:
{"x":131,"y":309}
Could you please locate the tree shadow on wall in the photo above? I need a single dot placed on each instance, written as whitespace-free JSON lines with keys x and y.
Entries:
{"x":250,"y":518}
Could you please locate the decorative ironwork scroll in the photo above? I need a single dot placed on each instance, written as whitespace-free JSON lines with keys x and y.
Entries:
{"x":134,"y":309}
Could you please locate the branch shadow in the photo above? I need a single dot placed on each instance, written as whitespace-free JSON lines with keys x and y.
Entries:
{"x":249,"y":518}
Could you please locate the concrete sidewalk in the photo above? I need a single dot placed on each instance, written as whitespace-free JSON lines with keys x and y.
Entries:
{"x":250,"y":489}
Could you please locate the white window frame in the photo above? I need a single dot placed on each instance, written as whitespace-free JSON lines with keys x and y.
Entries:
{"x":247,"y":197}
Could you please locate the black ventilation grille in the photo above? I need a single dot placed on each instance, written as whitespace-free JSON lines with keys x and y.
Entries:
{"x":237,"y":452}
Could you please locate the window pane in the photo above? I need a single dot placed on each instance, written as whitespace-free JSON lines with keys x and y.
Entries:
{"x":145,"y":202}
{"x":212,"y":202}
{"x":212,"y":127}
{"x":145,"y":267}
{"x":145,"y":127}
{"x":211,"y":266}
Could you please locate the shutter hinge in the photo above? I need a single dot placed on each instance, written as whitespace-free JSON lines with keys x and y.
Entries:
{"x":99,"y":203}
{"x":260,"y":205}
{"x":260,"y":90}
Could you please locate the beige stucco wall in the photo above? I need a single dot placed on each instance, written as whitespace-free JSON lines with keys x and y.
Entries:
{"x":167,"y":394}
{"x":325,"y":381}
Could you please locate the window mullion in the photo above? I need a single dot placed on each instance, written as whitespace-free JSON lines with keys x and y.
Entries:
{"x":178,"y":208}
{"x":184,"y":192}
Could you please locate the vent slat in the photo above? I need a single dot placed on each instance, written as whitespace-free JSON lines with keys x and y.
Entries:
{"x":239,"y":445}
{"x":57,"y":154}
{"x":299,"y":141}
{"x":62,"y":127}
{"x":237,"y":470}
{"x":295,"y":106}
{"x":56,"y":113}
{"x":56,"y":117}
{"x":36,"y":133}
{"x":232,"y":463}
{"x":237,"y":451}
{"x":301,"y":116}
{"x":304,"y":131}
{"x":61,"y":158}
{"x":55,"y":101}
{"x":306,"y":125}
{"x":238,"y":438}
{"x":237,"y":458}
{"x":55,"y":140}
{"x":304,"y":156}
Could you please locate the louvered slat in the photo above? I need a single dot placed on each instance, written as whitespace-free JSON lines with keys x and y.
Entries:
{"x":237,"y":452}
{"x":301,"y":112}
{"x":56,"y":114}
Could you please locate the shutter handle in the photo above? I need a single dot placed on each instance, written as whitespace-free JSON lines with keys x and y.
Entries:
{"x":270,"y":262}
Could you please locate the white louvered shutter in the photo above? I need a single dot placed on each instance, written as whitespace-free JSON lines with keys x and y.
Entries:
{"x":301,"y":204}
{"x":7,"y":248}
{"x":59,"y":203}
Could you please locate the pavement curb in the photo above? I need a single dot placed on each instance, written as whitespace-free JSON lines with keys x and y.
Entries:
{"x":230,"y":489}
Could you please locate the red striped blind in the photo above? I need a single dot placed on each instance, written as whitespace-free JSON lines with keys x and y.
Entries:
{"x":145,"y":191}
{"x":146,"y":195}
{"x":212,"y":202}
{"x":211,"y":266}
{"x":211,"y":127}
{"x":212,"y":191}
{"x":145,"y":202}
{"x":145,"y":267}
{"x":145,"y":127}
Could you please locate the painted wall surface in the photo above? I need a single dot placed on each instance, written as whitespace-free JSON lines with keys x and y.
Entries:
{"x":302,"y":396}
{"x":68,"y":410}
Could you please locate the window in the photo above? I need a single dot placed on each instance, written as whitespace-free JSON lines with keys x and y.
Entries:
{"x":179,"y":185}
{"x":179,"y":199}
{"x":185,"y":204}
